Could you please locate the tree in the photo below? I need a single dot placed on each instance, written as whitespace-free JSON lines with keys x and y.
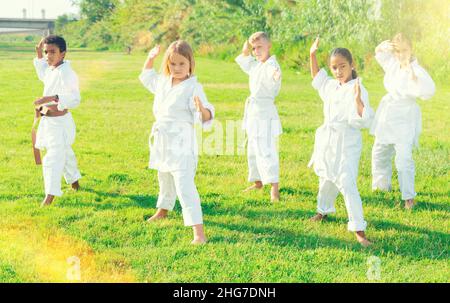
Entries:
{"x":96,"y":10}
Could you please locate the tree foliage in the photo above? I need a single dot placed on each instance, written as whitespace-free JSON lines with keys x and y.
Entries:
{"x":219,"y":27}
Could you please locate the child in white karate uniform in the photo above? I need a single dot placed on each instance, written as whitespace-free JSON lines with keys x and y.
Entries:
{"x":261,"y":120}
{"x":338,"y":142}
{"x":56,"y":131}
{"x":179,"y":103}
{"x":398,"y":121}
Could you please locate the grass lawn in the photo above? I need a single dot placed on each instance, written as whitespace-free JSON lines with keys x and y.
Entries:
{"x":250,"y":239}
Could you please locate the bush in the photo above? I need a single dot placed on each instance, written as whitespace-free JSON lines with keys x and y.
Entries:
{"x":219,"y":28}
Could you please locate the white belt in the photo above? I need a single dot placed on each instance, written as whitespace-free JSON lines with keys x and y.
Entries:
{"x":251,"y":101}
{"x":331,"y":128}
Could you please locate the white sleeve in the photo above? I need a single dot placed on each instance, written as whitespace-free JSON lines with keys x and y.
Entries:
{"x":198,"y":91}
{"x":424,"y":87}
{"x":321,"y":83}
{"x":246,"y":62}
{"x":384,"y":56}
{"x":40,"y":65}
{"x":69,"y":97}
{"x":149,"y":78}
{"x":364,"y":121}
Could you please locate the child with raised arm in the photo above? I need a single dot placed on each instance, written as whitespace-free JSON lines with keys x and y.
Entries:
{"x":179,"y":103}
{"x":261,"y":121}
{"x":397,"y":123}
{"x":56,"y":131}
{"x":338,"y":142}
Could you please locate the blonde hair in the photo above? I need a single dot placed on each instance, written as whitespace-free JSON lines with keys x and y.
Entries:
{"x":182,"y":48}
{"x":258,"y":36}
{"x":402,"y":40}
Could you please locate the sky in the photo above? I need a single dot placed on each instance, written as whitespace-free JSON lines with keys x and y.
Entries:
{"x":53,"y":8}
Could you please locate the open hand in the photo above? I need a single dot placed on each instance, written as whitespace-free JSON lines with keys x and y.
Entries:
{"x":154,"y":52}
{"x":314,"y":47}
{"x":198,"y":104}
{"x":357,"y":89}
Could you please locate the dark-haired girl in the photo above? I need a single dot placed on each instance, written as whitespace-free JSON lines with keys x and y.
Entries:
{"x":338,"y":141}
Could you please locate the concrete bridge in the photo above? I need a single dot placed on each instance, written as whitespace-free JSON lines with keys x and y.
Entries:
{"x":17,"y":25}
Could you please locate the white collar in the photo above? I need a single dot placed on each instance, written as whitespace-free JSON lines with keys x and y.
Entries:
{"x":188,"y":80}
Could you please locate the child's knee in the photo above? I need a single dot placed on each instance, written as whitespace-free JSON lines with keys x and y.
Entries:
{"x":404,"y":162}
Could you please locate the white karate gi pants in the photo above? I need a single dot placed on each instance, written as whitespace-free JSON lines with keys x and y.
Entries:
{"x":180,"y":183}
{"x":382,"y":167}
{"x":328,"y":192}
{"x":59,"y":161}
{"x":262,"y":158}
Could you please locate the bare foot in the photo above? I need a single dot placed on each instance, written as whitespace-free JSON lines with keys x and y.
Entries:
{"x":361,"y":237}
{"x":159,"y":215}
{"x":199,"y":234}
{"x":318,"y":218}
{"x":256,"y":186}
{"x":386,"y":188}
{"x":199,"y":241}
{"x":274,"y":193}
{"x":47,"y":201}
{"x":75,"y":185}
{"x":409,"y":204}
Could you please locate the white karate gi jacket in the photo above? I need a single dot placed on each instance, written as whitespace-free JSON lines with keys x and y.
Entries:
{"x":61,"y":81}
{"x":173,"y":144}
{"x":398,"y":118}
{"x":260,"y":110}
{"x":338,"y":141}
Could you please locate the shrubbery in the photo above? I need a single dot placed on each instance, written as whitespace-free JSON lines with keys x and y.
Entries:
{"x":218,"y":28}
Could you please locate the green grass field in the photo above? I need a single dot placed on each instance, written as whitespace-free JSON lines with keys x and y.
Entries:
{"x":250,"y":239}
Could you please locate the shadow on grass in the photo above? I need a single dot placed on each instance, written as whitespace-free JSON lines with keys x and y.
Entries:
{"x":434,"y":246}
{"x":383,"y":199}
{"x":123,"y":201}
{"x":282,"y":237}
{"x":12,"y":198}
{"x":297,"y":191}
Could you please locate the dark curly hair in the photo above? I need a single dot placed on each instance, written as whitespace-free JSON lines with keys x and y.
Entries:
{"x":58,"y":41}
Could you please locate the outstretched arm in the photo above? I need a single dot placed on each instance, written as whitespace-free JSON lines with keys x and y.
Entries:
{"x":313,"y":59}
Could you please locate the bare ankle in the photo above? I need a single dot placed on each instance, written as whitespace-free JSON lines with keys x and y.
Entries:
{"x":319,"y":217}
{"x":160,"y":214}
{"x":47,"y":200}
{"x":76,"y":185}
{"x":362,"y":239}
{"x":199,"y":233}
{"x":409,"y":204}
